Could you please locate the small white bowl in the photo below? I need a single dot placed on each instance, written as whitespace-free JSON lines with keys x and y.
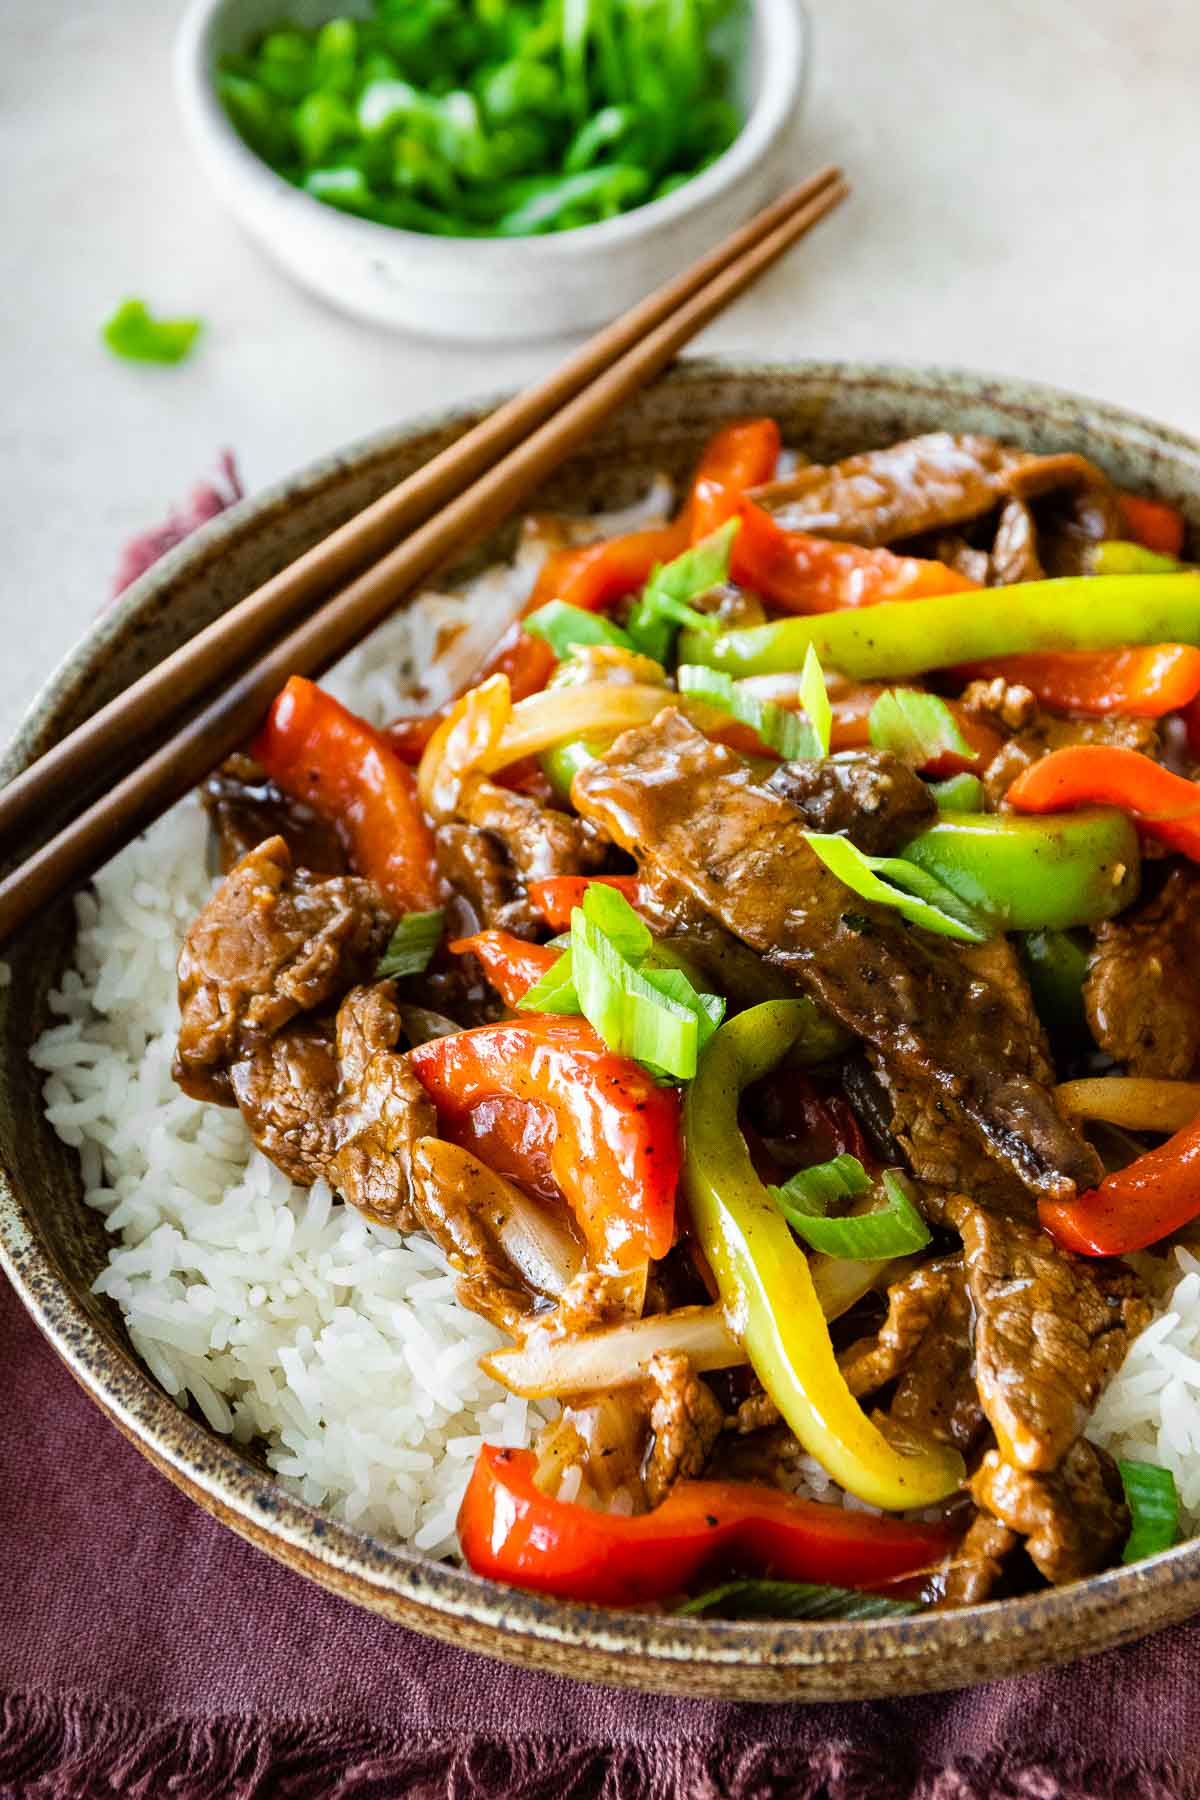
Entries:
{"x":487,"y":289}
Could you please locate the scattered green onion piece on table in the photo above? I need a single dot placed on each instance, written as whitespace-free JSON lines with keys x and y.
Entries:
{"x":785,"y":732}
{"x":133,"y":332}
{"x":662,"y":606}
{"x":958,"y":793}
{"x":412,"y":944}
{"x":896,"y":1229}
{"x":915,"y":726}
{"x":916,"y":896}
{"x":793,"y":1600}
{"x":1154,"y":1508}
{"x":566,"y":628}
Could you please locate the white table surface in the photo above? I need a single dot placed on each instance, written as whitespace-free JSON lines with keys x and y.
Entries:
{"x":1025,"y":179}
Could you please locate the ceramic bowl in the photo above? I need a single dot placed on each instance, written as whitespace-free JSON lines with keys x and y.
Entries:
{"x":52,"y":1247}
{"x":480,"y":288}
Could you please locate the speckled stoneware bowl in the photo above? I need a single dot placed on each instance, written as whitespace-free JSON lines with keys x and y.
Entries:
{"x":52,"y":1247}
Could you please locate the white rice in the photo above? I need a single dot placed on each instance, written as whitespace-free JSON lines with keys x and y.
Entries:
{"x":289,"y":1318}
{"x":284,"y":1316}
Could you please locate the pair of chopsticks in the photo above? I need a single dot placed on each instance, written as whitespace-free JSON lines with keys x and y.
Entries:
{"x":185,"y":715}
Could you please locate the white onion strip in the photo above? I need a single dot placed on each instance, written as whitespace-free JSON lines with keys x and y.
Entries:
{"x":1134,"y":1102}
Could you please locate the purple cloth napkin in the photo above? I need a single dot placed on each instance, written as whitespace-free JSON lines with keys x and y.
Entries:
{"x":148,"y":1653}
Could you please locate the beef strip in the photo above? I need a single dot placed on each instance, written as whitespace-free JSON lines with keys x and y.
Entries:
{"x":1051,"y":1330}
{"x":462,"y":1204}
{"x":382,"y":1110}
{"x":273,"y":942}
{"x":951,"y":548}
{"x":539,"y":842}
{"x":734,"y":968}
{"x":923,"y":484}
{"x":977,"y":1564}
{"x":480,"y":873}
{"x":869,"y":796}
{"x":691,"y":809}
{"x":685,"y":1420}
{"x":1014,"y":555}
{"x":1044,"y":733}
{"x":1073,"y":1520}
{"x":1142,"y":991}
{"x":924,"y":1346}
{"x":246,"y":808}
{"x":286,"y":1090}
{"x":1006,"y":705}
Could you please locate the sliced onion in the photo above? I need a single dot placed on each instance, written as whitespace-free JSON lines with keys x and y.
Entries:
{"x":1135,"y":1102}
{"x":460,"y":744}
{"x":558,"y":714}
{"x":615,"y":1355}
{"x":538,"y":1245}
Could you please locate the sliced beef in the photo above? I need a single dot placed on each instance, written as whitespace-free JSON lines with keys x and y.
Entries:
{"x":734,"y":968}
{"x":246,"y":808}
{"x":273,"y":942}
{"x":685,"y":1420}
{"x":953,"y":549}
{"x":382,"y":1110}
{"x":1044,"y":733}
{"x":480,"y":873}
{"x":869,"y":796}
{"x":1014,"y":556}
{"x":924,"y":1346}
{"x":692,"y":810}
{"x":923,"y":484}
{"x":539,"y":841}
{"x":1006,"y":705}
{"x":462,"y":1205}
{"x":286,"y":1089}
{"x":944,"y":1153}
{"x":1073,"y":1520}
{"x":1142,"y":991}
{"x":978,"y":1562}
{"x":1051,"y":1330}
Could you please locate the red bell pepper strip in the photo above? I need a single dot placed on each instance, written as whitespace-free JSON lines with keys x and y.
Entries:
{"x":1143,"y":682}
{"x":1156,"y":1195}
{"x":317,"y":751}
{"x":740,"y":456}
{"x":511,"y":1531}
{"x":802,"y":574}
{"x":510,"y":963}
{"x":527,"y":661}
{"x":557,"y":898}
{"x":610,"y":1132}
{"x":595,"y":576}
{"x":1163,"y":806}
{"x":1153,"y":523}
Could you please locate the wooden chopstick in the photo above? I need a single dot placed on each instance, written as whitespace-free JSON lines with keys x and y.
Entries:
{"x":233,"y":714}
{"x":110,"y":739}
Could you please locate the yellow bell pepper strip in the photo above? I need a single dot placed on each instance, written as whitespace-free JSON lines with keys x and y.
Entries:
{"x":764,"y":1280}
{"x":897,"y":639}
{"x":1157,"y":1194}
{"x":1028,"y":874}
{"x":1165,"y":806}
{"x":1117,"y":556}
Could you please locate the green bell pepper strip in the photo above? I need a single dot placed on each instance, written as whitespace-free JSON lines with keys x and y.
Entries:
{"x":1116,"y":556}
{"x":765,"y":1283}
{"x":958,"y":793}
{"x":1081,"y":867}
{"x":1057,"y":966}
{"x":898,"y":638}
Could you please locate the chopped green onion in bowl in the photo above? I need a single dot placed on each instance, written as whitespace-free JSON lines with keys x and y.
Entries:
{"x":469,"y":120}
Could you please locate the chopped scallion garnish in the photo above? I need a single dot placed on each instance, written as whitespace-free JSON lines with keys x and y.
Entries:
{"x":411,"y":944}
{"x":916,"y":727}
{"x":663,"y":605}
{"x":566,"y":628}
{"x":788,"y":733}
{"x":896,"y":1229}
{"x":915,"y":895}
{"x":1153,"y":1507}
{"x":958,"y":793}
{"x":793,"y":1600}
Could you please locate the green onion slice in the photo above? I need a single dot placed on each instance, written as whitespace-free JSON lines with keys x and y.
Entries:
{"x":1117,"y":557}
{"x":793,"y":1600}
{"x":662,"y":607}
{"x":814,"y":696}
{"x":135,"y":334}
{"x":1154,"y":1508}
{"x":958,"y":793}
{"x":924,"y":901}
{"x":916,"y":727}
{"x":411,"y":945}
{"x":566,"y":628}
{"x":896,"y":1229}
{"x":642,"y":1010}
{"x":788,"y":733}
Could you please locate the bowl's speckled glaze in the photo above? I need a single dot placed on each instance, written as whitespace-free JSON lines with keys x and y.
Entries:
{"x":52,"y":1248}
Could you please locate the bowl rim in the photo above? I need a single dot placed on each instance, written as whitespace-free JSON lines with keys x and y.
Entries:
{"x":1110,"y":1608}
{"x":786,"y":45}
